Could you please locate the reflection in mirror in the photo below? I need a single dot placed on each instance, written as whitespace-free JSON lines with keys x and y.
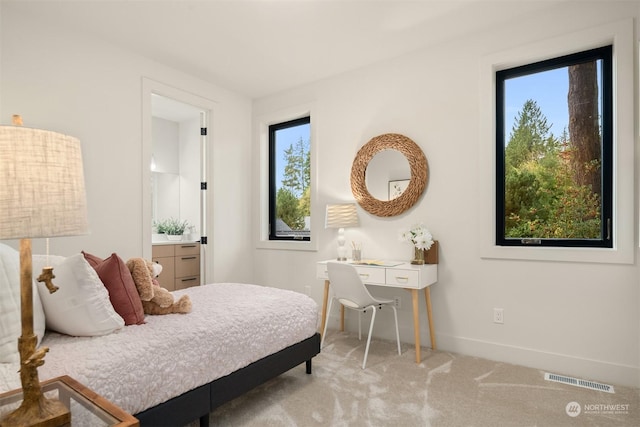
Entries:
{"x":175,"y":161}
{"x":386,"y":174}
{"x":165,"y":189}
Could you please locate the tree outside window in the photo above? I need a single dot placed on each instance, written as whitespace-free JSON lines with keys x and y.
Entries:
{"x":290,"y":180}
{"x":554,"y":171}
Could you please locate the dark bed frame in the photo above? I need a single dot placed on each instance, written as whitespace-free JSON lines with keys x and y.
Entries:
{"x":200,"y":402}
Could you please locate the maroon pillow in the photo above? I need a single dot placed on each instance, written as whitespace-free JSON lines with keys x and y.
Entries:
{"x":92,"y":259}
{"x":122,"y":289}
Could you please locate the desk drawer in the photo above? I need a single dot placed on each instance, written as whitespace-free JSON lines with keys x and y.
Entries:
{"x":162,"y":251}
{"x":187,"y":282}
{"x":187,"y":249}
{"x":371,"y":275}
{"x":403,"y":278}
{"x":187,"y":265}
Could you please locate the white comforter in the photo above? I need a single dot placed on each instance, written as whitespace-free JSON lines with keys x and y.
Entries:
{"x":231,"y":325}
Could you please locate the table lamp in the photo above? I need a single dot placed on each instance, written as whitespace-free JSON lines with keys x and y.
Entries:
{"x":42,"y":195}
{"x":340,"y":216}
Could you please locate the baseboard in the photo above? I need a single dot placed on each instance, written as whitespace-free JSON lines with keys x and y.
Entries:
{"x":595,"y":370}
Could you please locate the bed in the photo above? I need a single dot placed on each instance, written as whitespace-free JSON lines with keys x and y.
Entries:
{"x":178,"y":368}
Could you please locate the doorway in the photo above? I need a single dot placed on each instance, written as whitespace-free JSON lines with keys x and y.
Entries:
{"x":175,"y":155}
{"x":175,"y":166}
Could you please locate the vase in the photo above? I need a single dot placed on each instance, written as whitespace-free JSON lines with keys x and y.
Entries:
{"x":418,"y":256}
{"x":174,"y":237}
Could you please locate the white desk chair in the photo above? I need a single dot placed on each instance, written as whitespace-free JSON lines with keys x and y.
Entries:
{"x":351,"y":292}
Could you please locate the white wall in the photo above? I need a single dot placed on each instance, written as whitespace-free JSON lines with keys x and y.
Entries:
{"x":574,"y":318}
{"x":73,"y":84}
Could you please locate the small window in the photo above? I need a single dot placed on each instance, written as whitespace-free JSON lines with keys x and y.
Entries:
{"x":554,"y":145}
{"x":290,"y":180}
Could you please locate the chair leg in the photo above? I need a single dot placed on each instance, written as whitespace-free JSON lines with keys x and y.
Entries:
{"x":326,"y":321}
{"x":360,"y":325}
{"x":395,"y":315}
{"x":366,"y":351}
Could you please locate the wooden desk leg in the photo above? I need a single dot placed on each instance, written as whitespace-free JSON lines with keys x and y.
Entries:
{"x":416,"y":323}
{"x":341,"y":318}
{"x":324,"y":306}
{"x":427,"y":298}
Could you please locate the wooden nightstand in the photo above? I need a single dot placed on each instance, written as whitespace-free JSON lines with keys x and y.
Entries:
{"x":87,"y":407}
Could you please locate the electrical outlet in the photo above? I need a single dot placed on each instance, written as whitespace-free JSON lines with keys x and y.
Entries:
{"x":498,"y":315}
{"x":396,"y":302}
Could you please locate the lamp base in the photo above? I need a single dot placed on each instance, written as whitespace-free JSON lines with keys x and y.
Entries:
{"x":44,"y":413}
{"x":35,"y":409}
{"x":342,"y":253}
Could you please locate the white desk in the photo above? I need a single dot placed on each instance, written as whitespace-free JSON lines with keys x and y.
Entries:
{"x":395,"y":275}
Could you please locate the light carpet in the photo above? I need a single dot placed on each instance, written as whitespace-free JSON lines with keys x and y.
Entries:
{"x":446,"y":389}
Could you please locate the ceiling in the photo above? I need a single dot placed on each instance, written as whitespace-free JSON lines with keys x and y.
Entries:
{"x":261,"y":47}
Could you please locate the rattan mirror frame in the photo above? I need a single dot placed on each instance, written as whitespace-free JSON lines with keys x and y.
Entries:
{"x":417,"y":184}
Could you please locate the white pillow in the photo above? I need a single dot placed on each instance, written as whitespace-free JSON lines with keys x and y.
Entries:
{"x":10,"y":316}
{"x":81,"y":305}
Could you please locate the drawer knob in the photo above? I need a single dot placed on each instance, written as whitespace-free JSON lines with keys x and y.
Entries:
{"x":184,"y":258}
{"x":364,"y":275}
{"x":402,"y":278}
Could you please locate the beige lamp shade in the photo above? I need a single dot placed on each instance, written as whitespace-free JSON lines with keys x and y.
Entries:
{"x":42,"y":192}
{"x":342,"y":215}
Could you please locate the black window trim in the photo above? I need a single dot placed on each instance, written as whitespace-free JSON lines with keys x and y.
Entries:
{"x":272,"y":177}
{"x":604,"y":53}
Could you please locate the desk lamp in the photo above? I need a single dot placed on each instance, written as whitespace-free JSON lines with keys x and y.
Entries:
{"x":341,"y":216}
{"x":42,"y":195}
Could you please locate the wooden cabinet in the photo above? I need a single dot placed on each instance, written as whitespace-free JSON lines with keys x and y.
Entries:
{"x":180,"y":264}
{"x":187,"y":265}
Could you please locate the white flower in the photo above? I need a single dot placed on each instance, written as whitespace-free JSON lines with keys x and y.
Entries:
{"x":418,"y":235}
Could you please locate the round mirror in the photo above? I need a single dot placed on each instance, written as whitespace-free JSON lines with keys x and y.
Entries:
{"x":387,"y":175}
{"x":368,"y":175}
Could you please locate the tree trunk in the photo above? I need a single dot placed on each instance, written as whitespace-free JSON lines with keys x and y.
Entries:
{"x":584,"y":132}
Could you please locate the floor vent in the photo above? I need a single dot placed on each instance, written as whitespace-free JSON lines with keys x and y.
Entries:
{"x":579,"y":383}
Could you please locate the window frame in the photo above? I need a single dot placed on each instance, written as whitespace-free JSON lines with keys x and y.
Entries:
{"x":272,"y":129}
{"x":605,"y":54}
{"x":621,"y":34}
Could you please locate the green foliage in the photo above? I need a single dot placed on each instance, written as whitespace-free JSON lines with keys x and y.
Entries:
{"x":287,"y":209}
{"x":171,"y":226}
{"x":296,"y":172}
{"x":542,"y":199}
{"x":530,"y":138}
{"x":304,"y":204}
{"x":293,"y":199}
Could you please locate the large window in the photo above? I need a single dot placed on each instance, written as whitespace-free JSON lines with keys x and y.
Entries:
{"x":554,"y":184}
{"x":290,"y":180}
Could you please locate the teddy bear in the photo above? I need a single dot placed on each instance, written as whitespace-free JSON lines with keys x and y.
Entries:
{"x":155,"y":299}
